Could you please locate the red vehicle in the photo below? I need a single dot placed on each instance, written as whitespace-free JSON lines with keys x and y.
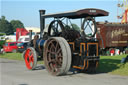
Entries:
{"x":10,"y":47}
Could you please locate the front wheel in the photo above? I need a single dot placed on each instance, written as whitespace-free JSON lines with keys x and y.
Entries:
{"x":30,"y":57}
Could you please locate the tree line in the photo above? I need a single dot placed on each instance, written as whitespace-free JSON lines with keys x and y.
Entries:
{"x":9,"y":27}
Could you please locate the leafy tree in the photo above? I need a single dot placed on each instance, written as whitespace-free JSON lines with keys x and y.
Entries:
{"x":2,"y":34}
{"x":67,"y":27}
{"x":16,"y":24}
{"x":75,"y":27}
{"x":72,"y":26}
{"x":5,"y":26}
{"x":2,"y":42}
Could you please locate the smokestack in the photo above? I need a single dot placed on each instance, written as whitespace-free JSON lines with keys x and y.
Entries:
{"x":30,"y":36}
{"x":42,"y":22}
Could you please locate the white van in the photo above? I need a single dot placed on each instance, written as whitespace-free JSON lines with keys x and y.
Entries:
{"x":25,"y":38}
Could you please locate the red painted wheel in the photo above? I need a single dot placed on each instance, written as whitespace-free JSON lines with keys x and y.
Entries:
{"x":57,"y":56}
{"x":30,"y":57}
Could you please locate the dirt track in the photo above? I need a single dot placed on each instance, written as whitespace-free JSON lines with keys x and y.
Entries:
{"x":14,"y":72}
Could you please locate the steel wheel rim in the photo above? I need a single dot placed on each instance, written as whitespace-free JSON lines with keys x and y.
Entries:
{"x":54,"y":57}
{"x":29,"y":58}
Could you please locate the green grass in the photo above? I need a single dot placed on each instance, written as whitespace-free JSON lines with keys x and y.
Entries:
{"x":14,"y":56}
{"x":113,"y":65}
{"x":108,"y":64}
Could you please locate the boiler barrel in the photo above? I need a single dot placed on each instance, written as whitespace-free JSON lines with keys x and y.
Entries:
{"x":40,"y":45}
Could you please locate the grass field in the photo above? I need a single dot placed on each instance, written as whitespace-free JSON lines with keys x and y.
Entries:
{"x":108,"y":64}
{"x":15,"y":56}
{"x":113,"y":65}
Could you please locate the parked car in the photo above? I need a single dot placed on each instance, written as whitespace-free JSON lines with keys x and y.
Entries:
{"x":21,"y":47}
{"x":10,"y":47}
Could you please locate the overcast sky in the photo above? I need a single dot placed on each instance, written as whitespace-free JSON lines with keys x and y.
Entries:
{"x":28,"y":10}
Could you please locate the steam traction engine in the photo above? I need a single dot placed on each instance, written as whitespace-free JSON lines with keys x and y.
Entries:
{"x":61,"y":46}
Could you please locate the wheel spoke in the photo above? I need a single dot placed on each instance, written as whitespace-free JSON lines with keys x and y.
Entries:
{"x":30,"y":61}
{"x":51,"y":52}
{"x":28,"y":51}
{"x":57,"y":44}
{"x":86,"y":25}
{"x":31,"y":55}
{"x":59,"y":61}
{"x":90,"y":27}
{"x":59,"y":50}
{"x":52,"y":61}
{"x":49,"y":57}
{"x":59,"y":58}
{"x":53,"y":67}
{"x":52,"y":64}
{"x":52,"y":44}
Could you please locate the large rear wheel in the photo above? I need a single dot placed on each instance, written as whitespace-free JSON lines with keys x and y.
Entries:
{"x":57,"y":56}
